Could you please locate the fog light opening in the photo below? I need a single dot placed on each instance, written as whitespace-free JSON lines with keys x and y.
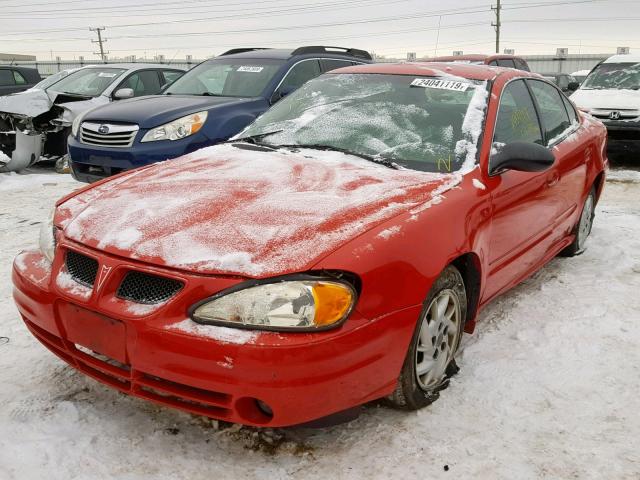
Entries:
{"x":264,"y":408}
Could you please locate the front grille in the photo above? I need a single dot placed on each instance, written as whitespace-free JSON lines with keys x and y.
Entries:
{"x":624,"y":134}
{"x":107,"y":135}
{"x":149,"y":289}
{"x":82,"y":269}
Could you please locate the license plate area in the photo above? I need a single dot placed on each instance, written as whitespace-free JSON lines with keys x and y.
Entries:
{"x":93,"y":331}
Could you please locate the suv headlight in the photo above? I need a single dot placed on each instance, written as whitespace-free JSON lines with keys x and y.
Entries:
{"x":180,"y":128}
{"x":309,"y":304}
{"x":48,"y":237}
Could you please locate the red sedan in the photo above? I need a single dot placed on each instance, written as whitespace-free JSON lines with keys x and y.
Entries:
{"x":331,"y":254}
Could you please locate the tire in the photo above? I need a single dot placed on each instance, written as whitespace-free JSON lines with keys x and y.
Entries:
{"x":434,"y":344}
{"x":583,"y":228}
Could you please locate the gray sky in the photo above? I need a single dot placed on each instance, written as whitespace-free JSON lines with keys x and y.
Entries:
{"x":393,"y":27}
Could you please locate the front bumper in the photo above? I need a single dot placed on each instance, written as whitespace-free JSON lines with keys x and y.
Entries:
{"x":301,"y":377}
{"x":92,"y":163}
{"x":623,"y":136}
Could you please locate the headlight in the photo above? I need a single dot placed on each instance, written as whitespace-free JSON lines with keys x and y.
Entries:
{"x":181,"y":128}
{"x":75,"y":125}
{"x":313,"y":304}
{"x":48,"y":238}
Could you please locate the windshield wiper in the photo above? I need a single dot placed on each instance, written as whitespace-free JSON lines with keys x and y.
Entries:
{"x":379,"y":160}
{"x":209,"y":94}
{"x":256,"y":139}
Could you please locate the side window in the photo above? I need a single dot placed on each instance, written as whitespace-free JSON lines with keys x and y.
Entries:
{"x":20,"y":80}
{"x":493,"y":63}
{"x":553,"y":114}
{"x":300,"y":74}
{"x":170,"y":76}
{"x":573,"y":116}
{"x":517,"y":120}
{"x":143,"y":83}
{"x":506,"y":62}
{"x":328,"y":65}
{"x":6,"y":78}
{"x":521,"y":64}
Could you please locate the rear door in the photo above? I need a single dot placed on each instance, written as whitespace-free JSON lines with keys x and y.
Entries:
{"x":567,"y":141}
{"x":523,"y":204}
{"x":8,"y":82}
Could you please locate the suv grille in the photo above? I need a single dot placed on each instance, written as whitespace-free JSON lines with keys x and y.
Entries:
{"x":150,"y":289}
{"x":82,"y":269}
{"x":107,"y":135}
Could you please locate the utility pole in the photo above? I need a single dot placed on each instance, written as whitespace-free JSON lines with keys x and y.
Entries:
{"x":100,"y":41}
{"x":497,"y":25}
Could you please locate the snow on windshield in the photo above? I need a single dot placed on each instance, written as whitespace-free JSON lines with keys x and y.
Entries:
{"x":614,"y":76}
{"x":423,"y":123}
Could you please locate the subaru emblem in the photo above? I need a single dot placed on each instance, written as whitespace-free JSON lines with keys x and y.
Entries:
{"x":103,"y":129}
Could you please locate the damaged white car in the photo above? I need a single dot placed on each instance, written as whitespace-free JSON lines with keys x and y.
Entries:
{"x":35,"y":124}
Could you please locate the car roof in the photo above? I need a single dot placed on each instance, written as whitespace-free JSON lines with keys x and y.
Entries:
{"x":473,"y":57}
{"x":623,"y":59}
{"x":134,"y":66}
{"x":436,"y":69}
{"x":287,"y":53}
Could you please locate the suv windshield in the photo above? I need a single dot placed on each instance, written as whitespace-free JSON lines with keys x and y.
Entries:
{"x":89,"y":82}
{"x":424,"y":123}
{"x":226,"y":78}
{"x":614,"y":76}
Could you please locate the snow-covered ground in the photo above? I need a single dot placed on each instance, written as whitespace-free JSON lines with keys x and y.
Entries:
{"x":549,"y":386}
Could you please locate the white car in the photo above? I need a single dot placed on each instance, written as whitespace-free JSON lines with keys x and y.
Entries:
{"x":37,"y":122}
{"x":611,"y":93}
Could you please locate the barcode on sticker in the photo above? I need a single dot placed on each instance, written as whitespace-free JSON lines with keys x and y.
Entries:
{"x":248,"y":68}
{"x":441,"y":84}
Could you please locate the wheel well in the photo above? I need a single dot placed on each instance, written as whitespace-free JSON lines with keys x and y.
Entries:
{"x":598,"y":183}
{"x":469,"y":267}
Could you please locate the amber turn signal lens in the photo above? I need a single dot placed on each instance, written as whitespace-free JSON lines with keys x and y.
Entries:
{"x":332,"y":301}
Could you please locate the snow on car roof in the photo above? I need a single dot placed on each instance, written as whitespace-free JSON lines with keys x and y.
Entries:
{"x":434,"y":69}
{"x":623,"y":59}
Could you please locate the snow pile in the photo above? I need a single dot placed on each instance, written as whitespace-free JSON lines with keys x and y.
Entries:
{"x":478,"y":184}
{"x":13,"y":181}
{"x":231,"y":210}
{"x":623,"y":176}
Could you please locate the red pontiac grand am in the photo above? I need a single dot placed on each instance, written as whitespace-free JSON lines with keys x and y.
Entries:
{"x":331,"y":254}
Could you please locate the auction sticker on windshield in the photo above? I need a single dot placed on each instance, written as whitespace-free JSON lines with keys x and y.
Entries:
{"x":106,"y":74}
{"x":440,"y":84}
{"x":250,"y":69}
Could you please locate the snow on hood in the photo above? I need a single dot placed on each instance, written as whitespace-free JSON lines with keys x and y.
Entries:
{"x":228,"y":210}
{"x":607,"y":99}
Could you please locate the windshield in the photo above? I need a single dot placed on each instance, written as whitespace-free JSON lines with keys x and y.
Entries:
{"x":89,"y":82}
{"x":51,"y":79}
{"x":614,"y":76}
{"x":226,"y":78}
{"x":423,"y":123}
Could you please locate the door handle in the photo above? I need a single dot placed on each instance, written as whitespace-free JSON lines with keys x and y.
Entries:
{"x":553,"y":179}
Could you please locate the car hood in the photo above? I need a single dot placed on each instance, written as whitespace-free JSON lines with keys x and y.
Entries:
{"x":607,"y":99}
{"x":155,"y":110}
{"x":229,"y":210}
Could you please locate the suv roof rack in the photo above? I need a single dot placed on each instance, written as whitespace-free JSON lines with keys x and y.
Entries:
{"x":242,"y":50}
{"x":353,"y":52}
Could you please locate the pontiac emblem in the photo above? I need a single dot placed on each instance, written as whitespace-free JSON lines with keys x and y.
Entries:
{"x":104,"y":273}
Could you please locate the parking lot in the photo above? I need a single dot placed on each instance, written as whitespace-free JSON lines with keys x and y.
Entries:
{"x":547,"y":388}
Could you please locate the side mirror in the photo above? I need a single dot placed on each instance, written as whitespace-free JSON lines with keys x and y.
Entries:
{"x":573,"y":86}
{"x":123,"y":93}
{"x":521,"y":156}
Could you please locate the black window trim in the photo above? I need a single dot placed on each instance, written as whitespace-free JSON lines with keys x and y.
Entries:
{"x":569,"y":131}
